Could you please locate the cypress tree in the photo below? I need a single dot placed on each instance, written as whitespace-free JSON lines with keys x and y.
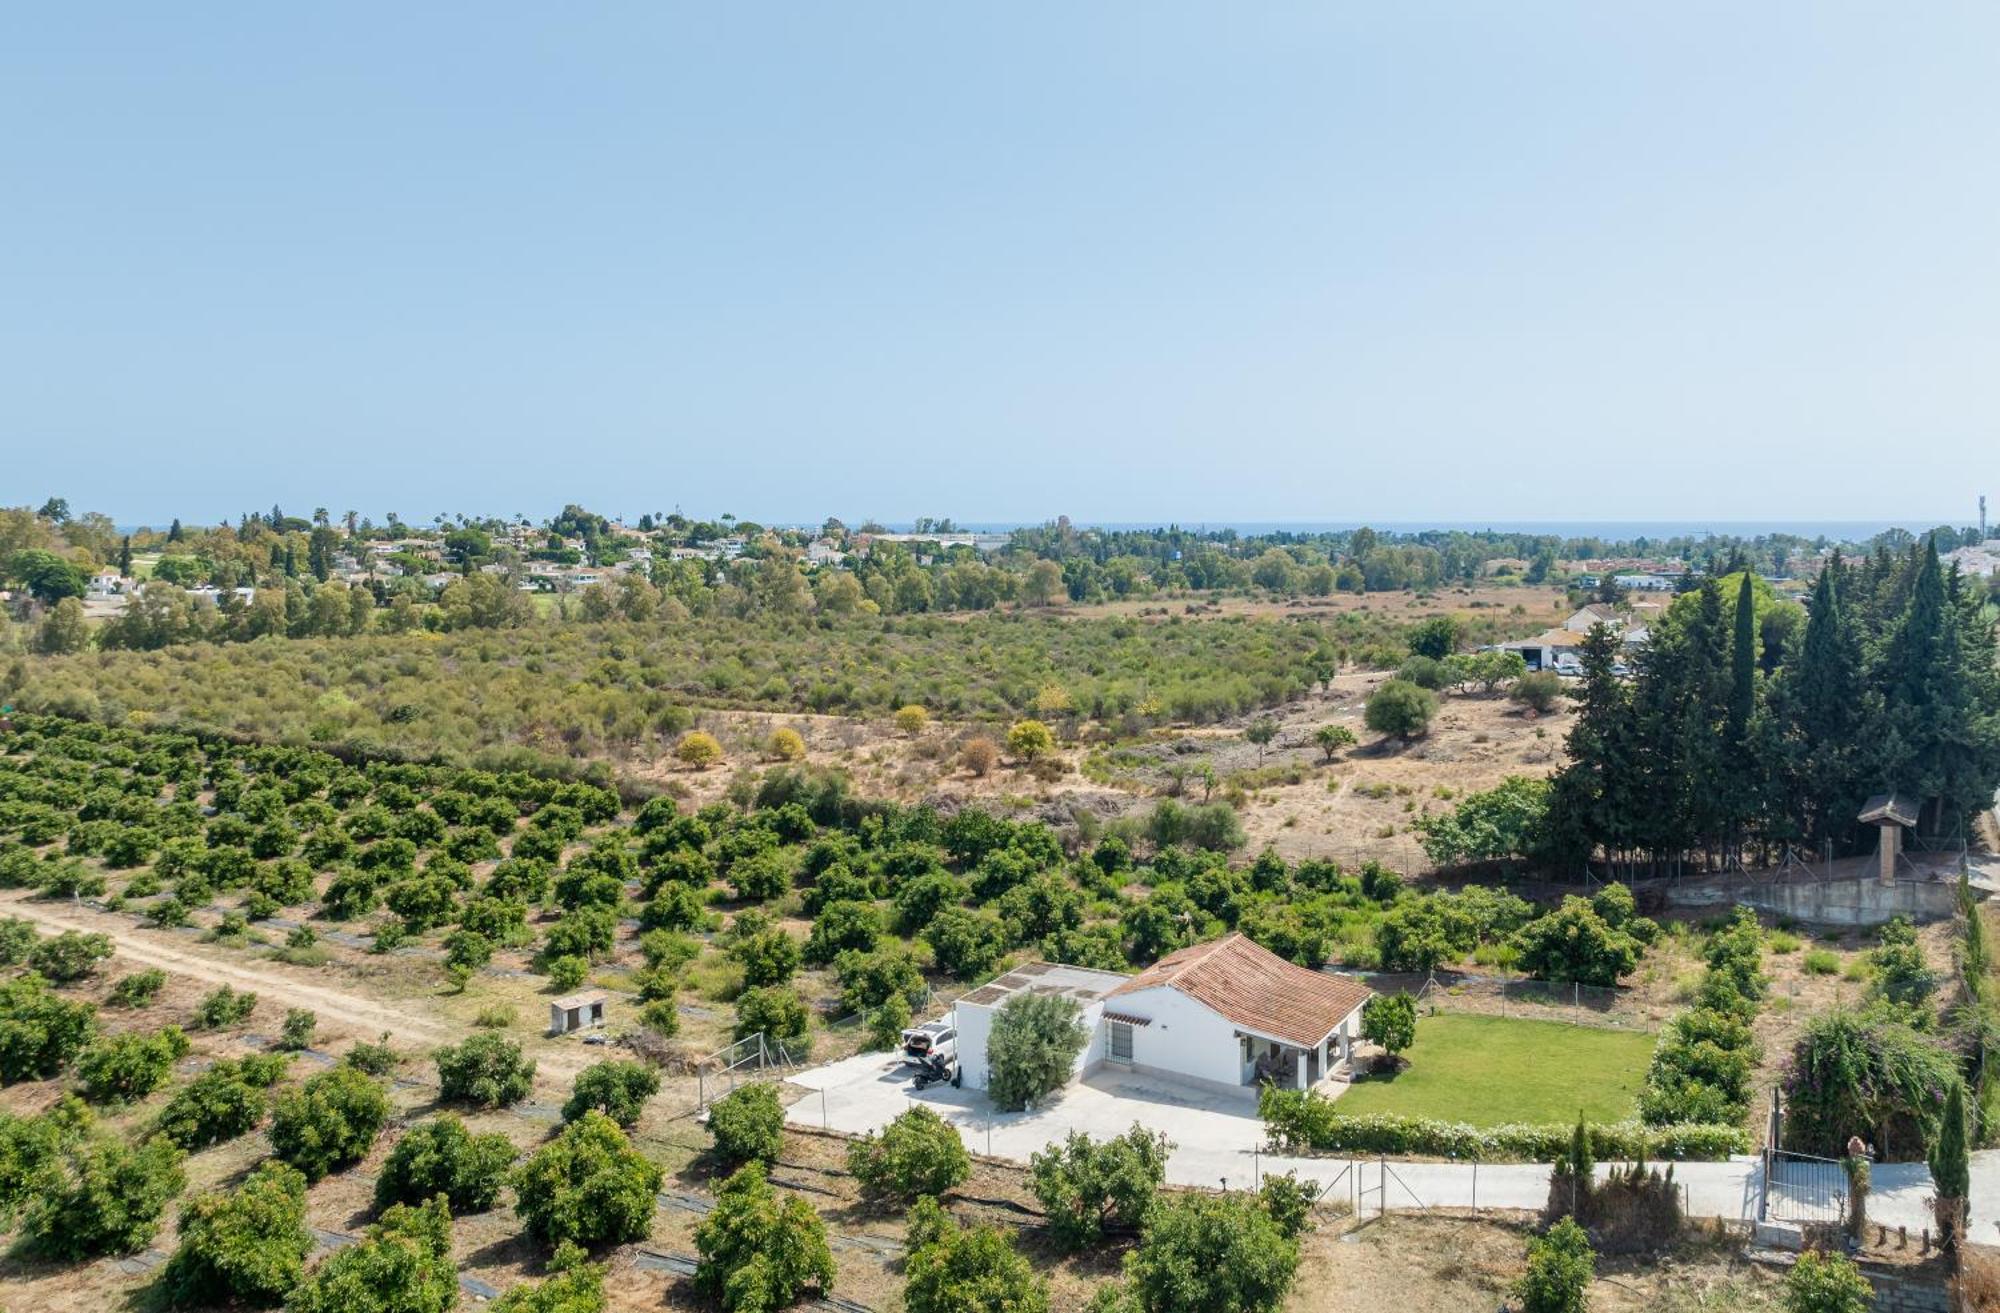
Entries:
{"x":125,"y":556}
{"x":174,"y":532}
{"x":1823,"y":704}
{"x":1951,"y":1169}
{"x":1743,"y":666}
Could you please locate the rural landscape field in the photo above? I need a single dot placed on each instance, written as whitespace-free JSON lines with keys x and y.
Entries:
{"x":1129,"y":658}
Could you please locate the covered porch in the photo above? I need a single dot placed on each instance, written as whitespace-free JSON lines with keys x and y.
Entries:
{"x":1298,"y":1067}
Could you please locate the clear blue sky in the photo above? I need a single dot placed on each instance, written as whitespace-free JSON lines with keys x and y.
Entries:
{"x":1125,"y":261}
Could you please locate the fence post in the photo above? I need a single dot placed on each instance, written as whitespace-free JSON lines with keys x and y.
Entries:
{"x":1475,"y":1187}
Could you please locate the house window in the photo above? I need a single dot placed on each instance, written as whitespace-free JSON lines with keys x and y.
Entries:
{"x":1121,"y":1041}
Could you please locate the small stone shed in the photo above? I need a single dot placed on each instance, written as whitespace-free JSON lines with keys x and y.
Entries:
{"x":583,"y":1010}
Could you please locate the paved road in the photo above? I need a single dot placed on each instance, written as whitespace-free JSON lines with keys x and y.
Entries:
{"x":1218,"y":1140}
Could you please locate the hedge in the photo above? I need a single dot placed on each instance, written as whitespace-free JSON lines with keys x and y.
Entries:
{"x":1300,"y":1121}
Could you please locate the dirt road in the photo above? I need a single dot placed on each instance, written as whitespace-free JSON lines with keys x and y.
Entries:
{"x":408,"y":1022}
{"x":155,"y":948}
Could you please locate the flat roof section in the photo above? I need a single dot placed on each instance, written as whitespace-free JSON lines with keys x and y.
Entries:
{"x":1082,"y":984}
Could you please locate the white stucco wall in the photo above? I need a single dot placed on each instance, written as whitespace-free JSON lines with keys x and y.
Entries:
{"x":1185,"y":1038}
{"x":974,"y":1023}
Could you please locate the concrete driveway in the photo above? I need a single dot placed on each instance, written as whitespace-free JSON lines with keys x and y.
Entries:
{"x":1218,"y":1140}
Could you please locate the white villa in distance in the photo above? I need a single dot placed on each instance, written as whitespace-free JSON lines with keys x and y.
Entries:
{"x":1226,"y":1015}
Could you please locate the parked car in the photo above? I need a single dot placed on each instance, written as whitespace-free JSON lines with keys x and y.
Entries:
{"x":933,"y":1039}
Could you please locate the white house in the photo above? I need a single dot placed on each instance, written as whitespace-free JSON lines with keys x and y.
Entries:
{"x":1227,"y":1015}
{"x":1589,"y":617}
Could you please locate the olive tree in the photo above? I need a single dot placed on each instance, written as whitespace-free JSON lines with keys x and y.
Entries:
{"x":1032,"y":1049}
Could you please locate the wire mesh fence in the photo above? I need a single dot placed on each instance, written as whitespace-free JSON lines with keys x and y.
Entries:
{"x":1569,"y":1002}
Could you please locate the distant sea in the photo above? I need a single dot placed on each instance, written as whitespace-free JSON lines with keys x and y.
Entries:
{"x":1611,"y":530}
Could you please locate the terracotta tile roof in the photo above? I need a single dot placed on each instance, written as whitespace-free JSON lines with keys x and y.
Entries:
{"x":1255,"y":988}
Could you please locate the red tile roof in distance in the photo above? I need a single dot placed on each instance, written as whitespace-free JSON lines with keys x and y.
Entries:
{"x":1256,"y":989}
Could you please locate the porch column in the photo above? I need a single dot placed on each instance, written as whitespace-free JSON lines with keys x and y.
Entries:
{"x":1303,"y":1083}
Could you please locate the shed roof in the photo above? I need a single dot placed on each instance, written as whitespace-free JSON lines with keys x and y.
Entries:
{"x":1255,"y":988}
{"x":582,"y":998}
{"x":1900,"y":808}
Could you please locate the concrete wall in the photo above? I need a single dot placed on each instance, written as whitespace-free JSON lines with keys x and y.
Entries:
{"x":1859,"y":902}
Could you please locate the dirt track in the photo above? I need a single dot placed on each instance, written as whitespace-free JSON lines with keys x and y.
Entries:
{"x":157,"y":949}
{"x":409,"y":1022}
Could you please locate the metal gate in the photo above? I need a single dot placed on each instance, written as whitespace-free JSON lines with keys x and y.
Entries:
{"x":1798,"y":1187}
{"x":1801,"y":1188}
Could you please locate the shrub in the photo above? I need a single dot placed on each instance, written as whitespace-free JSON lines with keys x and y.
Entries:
{"x":698,"y":749}
{"x":1821,"y":1282}
{"x":376,"y":1059}
{"x":786,"y":744}
{"x":120,"y":1068}
{"x":138,"y":989}
{"x":300,"y":1023}
{"x":566,"y":972}
{"x":979,"y":756}
{"x":1400,"y":708}
{"x":440,"y":1156}
{"x":1561,"y":1267}
{"x":918,"y":1153}
{"x":1030,"y":739}
{"x":223,"y":1007}
{"x":842,"y":927}
{"x":616,"y":1087}
{"x":329,"y":1122}
{"x":912,"y":719}
{"x":1573,"y":944}
{"x":966,"y":943}
{"x":486,"y":1071}
{"x":956,"y":1271}
{"x":1091,"y":1188}
{"x":40,"y":1031}
{"x":1820,"y":962}
{"x":221,"y":1103}
{"x":403,"y":1266}
{"x":245,"y":1246}
{"x":758,"y":1254}
{"x":1289,"y":1201}
{"x":1852,"y":1070}
{"x":573,"y":1286}
{"x":769,"y":957}
{"x":1304,"y":1121}
{"x":1212,"y":1254}
{"x":748,"y":1123}
{"x":1390,"y":1020}
{"x":17,"y":937}
{"x":69,"y":956}
{"x":1538,"y":690}
{"x":587,"y":1187}
{"x":100,"y":1195}
{"x":779,"y":1013}
{"x":1032,"y":1048}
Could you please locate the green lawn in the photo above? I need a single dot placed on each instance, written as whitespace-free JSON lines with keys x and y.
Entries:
{"x":1492,"y":1070}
